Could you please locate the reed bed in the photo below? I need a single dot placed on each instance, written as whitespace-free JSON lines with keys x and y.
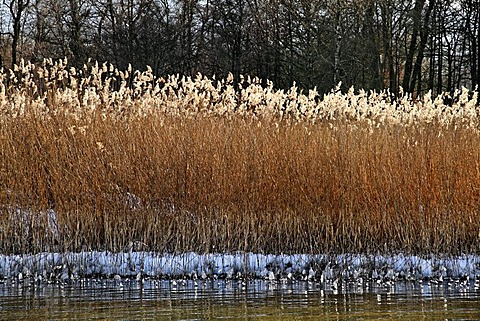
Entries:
{"x":102,"y":159}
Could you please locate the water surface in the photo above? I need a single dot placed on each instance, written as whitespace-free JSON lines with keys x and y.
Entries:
{"x":237,"y":300}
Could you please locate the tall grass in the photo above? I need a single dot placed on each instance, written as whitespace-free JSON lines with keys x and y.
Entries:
{"x":175,"y":169}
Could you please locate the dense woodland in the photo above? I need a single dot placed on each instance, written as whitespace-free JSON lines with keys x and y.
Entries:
{"x":417,"y":45}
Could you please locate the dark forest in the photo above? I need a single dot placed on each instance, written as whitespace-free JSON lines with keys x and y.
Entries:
{"x":417,"y":45}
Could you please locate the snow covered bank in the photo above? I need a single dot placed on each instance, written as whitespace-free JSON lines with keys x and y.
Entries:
{"x":64,"y":266}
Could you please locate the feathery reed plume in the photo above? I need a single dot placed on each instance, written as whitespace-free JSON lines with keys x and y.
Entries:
{"x":98,"y":158}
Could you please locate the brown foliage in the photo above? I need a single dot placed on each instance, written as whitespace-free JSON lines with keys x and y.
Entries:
{"x":208,"y":185}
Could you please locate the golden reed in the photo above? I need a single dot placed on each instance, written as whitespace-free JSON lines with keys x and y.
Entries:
{"x":102,"y":159}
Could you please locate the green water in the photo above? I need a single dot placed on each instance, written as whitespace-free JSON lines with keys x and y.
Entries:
{"x":252,"y":300}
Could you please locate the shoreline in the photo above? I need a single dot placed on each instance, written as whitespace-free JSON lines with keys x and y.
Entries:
{"x":315,"y":268}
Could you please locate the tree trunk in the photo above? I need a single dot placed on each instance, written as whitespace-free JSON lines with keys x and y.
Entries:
{"x":76,"y":46}
{"x":374,"y":63}
{"x":449,"y":68}
{"x":17,"y":8}
{"x":441,"y":32}
{"x":388,"y":65}
{"x":424,"y":33}
{"x":433,"y":49}
{"x":114,"y":37}
{"x":417,"y":22}
{"x":338,"y":40}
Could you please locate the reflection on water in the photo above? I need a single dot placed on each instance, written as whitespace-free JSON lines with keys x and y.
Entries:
{"x":237,"y":300}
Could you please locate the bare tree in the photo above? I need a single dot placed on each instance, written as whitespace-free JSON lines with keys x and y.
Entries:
{"x":17,"y":9}
{"x":372,"y":44}
{"x":424,"y":34}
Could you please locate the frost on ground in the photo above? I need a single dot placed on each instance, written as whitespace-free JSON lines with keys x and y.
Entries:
{"x":71,"y":266}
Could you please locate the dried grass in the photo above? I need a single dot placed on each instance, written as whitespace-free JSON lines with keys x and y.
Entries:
{"x":191,"y":180}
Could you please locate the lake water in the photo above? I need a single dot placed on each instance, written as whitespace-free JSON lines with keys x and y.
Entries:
{"x":237,"y":300}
